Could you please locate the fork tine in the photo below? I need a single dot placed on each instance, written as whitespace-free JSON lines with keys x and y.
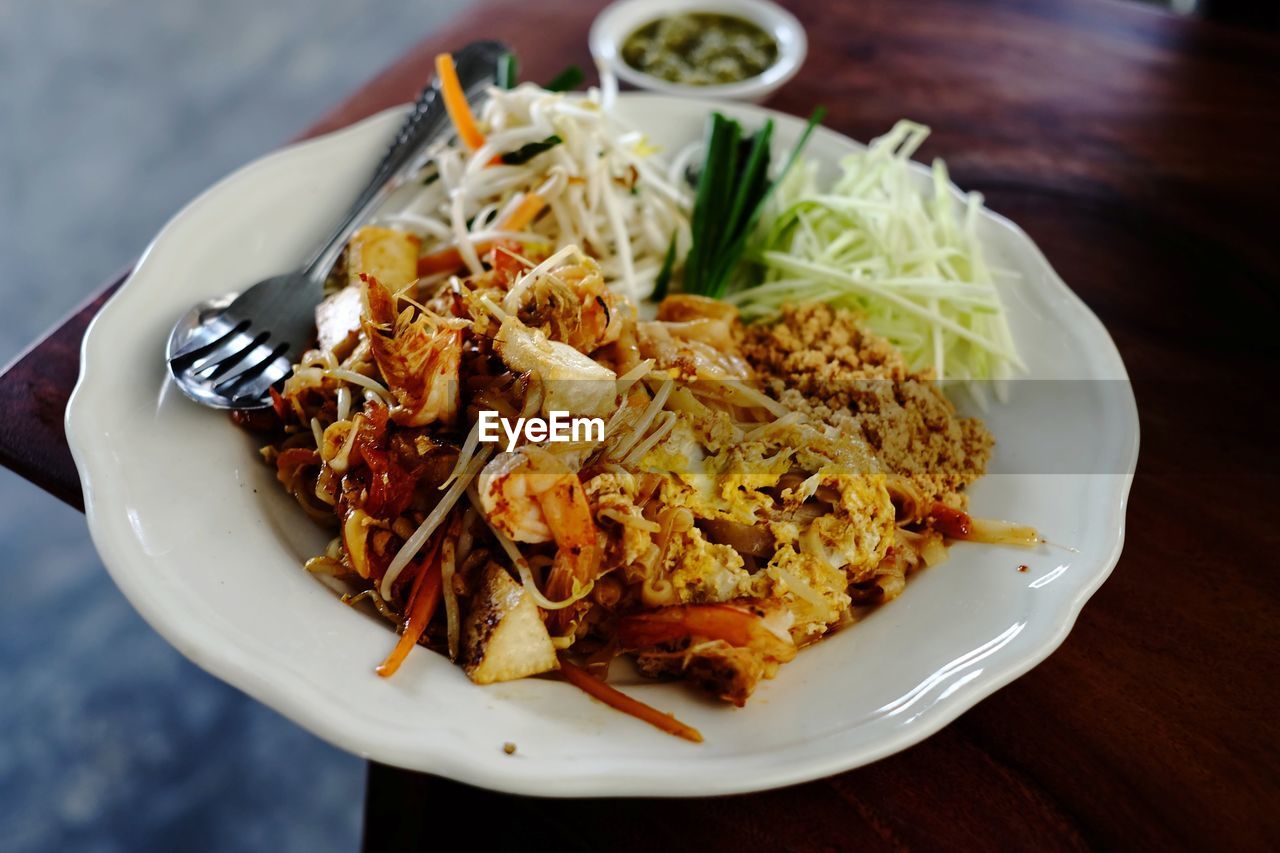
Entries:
{"x":228,"y":348}
{"x":212,"y":371}
{"x":228,"y":386}
{"x":200,"y":346}
{"x":274,"y":374}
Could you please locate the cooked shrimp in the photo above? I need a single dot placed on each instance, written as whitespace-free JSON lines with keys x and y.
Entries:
{"x":531,"y":495}
{"x":509,"y":494}
{"x":419,"y":356}
{"x":565,"y":297}
{"x":600,"y":312}
{"x":745,"y":625}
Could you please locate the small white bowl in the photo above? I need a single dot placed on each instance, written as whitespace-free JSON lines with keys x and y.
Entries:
{"x":619,"y":20}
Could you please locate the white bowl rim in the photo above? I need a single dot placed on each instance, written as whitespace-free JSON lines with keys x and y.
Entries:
{"x":623,"y":17}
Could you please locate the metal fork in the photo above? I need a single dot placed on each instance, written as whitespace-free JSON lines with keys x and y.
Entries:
{"x":229,"y":352}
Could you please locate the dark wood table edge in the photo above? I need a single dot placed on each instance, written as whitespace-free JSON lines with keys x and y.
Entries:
{"x":53,"y":471}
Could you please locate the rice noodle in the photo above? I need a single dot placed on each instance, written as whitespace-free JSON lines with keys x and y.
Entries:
{"x":324,"y":565}
{"x":998,"y":532}
{"x":630,"y":520}
{"x":429,"y":524}
{"x":378,"y":602}
{"x":466,"y":539}
{"x":758,"y":398}
{"x":666,"y":518}
{"x":634,"y":375}
{"x":789,"y":419}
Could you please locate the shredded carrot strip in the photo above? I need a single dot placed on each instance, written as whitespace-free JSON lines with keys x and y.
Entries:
{"x":277,"y":403}
{"x":526,"y":211}
{"x":423,"y":598}
{"x":445,"y":260}
{"x":450,"y":259}
{"x":615,"y":698}
{"x":455,"y":101}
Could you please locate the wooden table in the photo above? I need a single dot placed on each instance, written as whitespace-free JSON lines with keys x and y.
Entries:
{"x":1140,"y":151}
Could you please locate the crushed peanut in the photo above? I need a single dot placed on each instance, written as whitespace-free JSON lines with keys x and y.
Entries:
{"x":819,"y":360}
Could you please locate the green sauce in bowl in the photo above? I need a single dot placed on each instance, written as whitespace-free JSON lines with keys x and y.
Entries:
{"x":700,"y":49}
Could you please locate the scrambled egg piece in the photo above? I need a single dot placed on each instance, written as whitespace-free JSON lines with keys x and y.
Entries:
{"x":703,"y":572}
{"x":813,"y":590}
{"x":681,"y":457}
{"x":716,"y":474}
{"x":612,"y":495}
{"x":386,"y":254}
{"x":830,"y":529}
{"x":859,"y":530}
{"x":743,"y":471}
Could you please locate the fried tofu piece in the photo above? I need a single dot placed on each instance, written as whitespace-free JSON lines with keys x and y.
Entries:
{"x":573,"y":382}
{"x":726,"y":672}
{"x":338,"y":321}
{"x":388,"y":255}
{"x":504,"y":637}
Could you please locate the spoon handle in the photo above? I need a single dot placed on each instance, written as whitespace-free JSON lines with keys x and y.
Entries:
{"x":477,"y":65}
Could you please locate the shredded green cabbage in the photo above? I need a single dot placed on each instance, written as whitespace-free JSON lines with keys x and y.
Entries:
{"x":909,"y":261}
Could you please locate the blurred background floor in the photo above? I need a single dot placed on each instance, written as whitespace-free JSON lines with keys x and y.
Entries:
{"x":112,"y":116}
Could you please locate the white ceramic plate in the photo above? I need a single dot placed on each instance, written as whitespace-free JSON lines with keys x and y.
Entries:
{"x":201,"y":539}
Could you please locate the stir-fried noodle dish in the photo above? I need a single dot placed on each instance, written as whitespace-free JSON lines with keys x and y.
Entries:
{"x":532,"y":464}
